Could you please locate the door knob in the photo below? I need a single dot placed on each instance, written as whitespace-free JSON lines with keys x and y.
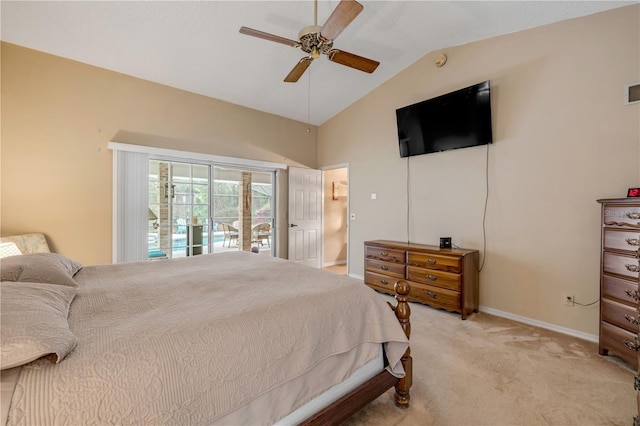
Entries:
{"x":292,"y":225}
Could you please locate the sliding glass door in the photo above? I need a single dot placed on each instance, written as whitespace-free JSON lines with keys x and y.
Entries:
{"x":242,"y":209}
{"x":178,"y":209}
{"x":204,"y":208}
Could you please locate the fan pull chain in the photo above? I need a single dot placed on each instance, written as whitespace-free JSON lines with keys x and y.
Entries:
{"x":309,"y":103}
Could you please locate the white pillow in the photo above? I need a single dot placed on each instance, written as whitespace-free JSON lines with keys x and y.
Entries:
{"x":9,"y":249}
{"x":33,"y":322}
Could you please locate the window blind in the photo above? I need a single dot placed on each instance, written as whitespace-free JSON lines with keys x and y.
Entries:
{"x":131,"y":186}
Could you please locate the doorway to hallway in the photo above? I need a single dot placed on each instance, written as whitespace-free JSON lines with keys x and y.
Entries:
{"x":335,"y":218}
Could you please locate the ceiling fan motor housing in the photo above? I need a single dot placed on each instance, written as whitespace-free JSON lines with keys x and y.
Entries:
{"x":310,"y":37}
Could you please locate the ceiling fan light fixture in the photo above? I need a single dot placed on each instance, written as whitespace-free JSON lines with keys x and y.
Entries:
{"x":315,"y":53}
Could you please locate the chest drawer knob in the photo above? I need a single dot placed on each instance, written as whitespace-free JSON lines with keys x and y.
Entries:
{"x":385,"y":282}
{"x":632,"y":268}
{"x":631,"y":345}
{"x":431,"y":261}
{"x":633,"y":215}
{"x":431,"y":294}
{"x":432,"y":277}
{"x":632,"y":320}
{"x":384,"y":268}
{"x":632,"y":294}
{"x":633,"y":241}
{"x":384,"y":253}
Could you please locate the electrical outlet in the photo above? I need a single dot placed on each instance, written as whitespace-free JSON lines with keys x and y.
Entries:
{"x":569,"y":300}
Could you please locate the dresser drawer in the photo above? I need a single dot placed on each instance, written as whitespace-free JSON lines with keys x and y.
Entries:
{"x":621,"y":239}
{"x":619,"y":288}
{"x":620,"y":264}
{"x":434,"y":277}
{"x":435,"y":296}
{"x":387,"y":255}
{"x":383,"y":282}
{"x":621,"y":215}
{"x":617,"y":313}
{"x":613,"y":339}
{"x":385,"y":268}
{"x":434,"y":261}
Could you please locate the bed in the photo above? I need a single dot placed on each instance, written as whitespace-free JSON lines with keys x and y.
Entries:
{"x":230,"y":338}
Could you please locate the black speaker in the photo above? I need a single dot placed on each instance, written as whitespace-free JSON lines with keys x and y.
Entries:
{"x":445,"y":242}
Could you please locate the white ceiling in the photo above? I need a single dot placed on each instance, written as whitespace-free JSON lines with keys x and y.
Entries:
{"x":196,"y":46}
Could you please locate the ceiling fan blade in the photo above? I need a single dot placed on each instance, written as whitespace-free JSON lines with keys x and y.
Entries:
{"x":298,"y":70}
{"x":342,"y":15}
{"x":353,"y":61}
{"x":267,"y":36}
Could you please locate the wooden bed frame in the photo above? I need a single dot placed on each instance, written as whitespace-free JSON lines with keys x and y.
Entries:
{"x":352,"y":402}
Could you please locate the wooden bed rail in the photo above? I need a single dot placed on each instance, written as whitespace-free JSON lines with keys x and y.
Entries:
{"x":352,"y":402}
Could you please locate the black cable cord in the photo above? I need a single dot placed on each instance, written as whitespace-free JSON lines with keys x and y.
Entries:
{"x":408,"y":199}
{"x":484,"y":216}
{"x":587,"y":304}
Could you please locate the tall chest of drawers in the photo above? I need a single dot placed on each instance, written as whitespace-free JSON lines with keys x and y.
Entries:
{"x":619,"y":270}
{"x":441,"y":278}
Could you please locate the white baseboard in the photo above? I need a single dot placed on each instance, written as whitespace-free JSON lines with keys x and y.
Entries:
{"x":541,"y":324}
{"x":337,"y":262}
{"x":529,"y":321}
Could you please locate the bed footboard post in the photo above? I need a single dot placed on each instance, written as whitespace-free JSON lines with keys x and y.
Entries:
{"x":403,"y":312}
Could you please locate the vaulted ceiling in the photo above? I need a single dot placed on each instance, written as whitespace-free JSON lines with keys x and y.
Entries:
{"x":196,"y":45}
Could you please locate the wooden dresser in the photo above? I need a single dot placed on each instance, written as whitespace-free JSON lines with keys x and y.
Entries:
{"x":441,"y":278}
{"x":619,"y":269}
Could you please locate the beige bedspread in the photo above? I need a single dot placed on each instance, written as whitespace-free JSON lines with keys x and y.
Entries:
{"x":187,"y":341}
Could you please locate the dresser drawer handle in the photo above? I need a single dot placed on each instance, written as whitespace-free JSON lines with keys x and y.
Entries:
{"x":633,"y":241}
{"x":431,"y":294}
{"x":384,"y":253}
{"x":632,"y":268}
{"x":633,"y":215}
{"x":431,"y":261}
{"x":384,"y":268}
{"x":632,"y":294}
{"x":631,"y":345}
{"x":432,"y":277}
{"x":632,"y":320}
{"x":384,"y":282}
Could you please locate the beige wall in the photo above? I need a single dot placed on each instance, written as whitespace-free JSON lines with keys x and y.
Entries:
{"x":562,"y":139}
{"x":58,"y":116}
{"x":334,"y":235}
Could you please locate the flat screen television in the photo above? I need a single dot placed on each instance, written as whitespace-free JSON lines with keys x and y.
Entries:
{"x":454,"y":120}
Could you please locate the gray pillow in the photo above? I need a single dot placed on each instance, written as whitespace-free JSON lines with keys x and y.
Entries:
{"x":50,"y":268}
{"x":34,"y":322}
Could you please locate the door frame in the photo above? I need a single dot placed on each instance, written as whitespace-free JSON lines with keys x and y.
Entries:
{"x":332,"y":167}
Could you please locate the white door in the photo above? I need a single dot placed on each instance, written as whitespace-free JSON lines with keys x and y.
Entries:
{"x":305,"y":216}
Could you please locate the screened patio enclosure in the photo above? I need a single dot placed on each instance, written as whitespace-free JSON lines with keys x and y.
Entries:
{"x":204,"y":208}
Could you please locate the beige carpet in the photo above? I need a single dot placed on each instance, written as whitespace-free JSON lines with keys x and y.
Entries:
{"x":492,"y":371}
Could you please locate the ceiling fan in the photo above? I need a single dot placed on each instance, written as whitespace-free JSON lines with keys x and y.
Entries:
{"x":316,"y":40}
